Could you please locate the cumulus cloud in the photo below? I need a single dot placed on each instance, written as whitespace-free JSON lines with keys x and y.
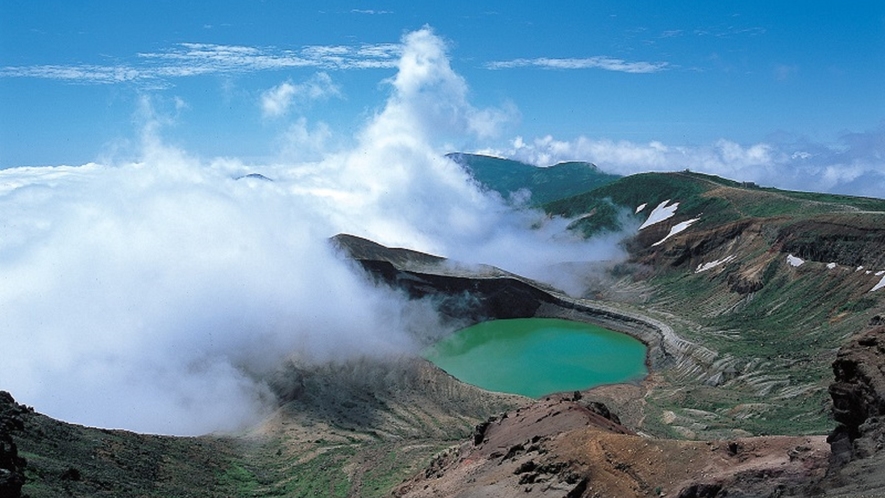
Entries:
{"x":427,"y":88}
{"x":278,"y":100}
{"x":157,"y":294}
{"x":854,"y":164}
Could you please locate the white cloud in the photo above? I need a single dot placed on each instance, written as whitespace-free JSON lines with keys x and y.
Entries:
{"x":278,"y":100}
{"x":301,"y":143}
{"x":370,"y":11}
{"x":854,"y":165}
{"x":87,"y":73}
{"x":598,"y":62}
{"x":157,"y":294}
{"x":431,"y":98}
{"x":194,"y":59}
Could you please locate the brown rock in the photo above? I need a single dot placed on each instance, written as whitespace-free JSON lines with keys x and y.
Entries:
{"x":859,"y":397}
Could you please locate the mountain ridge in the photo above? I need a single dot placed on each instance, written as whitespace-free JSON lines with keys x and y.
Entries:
{"x":508,"y":177}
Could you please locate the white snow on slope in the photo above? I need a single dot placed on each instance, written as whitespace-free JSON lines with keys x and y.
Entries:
{"x":679,"y":227}
{"x":859,"y":268}
{"x":879,"y":285}
{"x":660,"y":213}
{"x":794,"y":261}
{"x":713,"y":264}
{"x":640,"y":207}
{"x":880,"y":273}
{"x":831,"y":266}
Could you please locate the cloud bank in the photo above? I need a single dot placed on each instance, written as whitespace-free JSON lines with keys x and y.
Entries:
{"x":854,"y":164}
{"x":156,"y":295}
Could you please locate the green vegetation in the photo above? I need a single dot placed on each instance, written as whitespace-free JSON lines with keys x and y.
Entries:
{"x":715,"y":200}
{"x":546,"y":184}
{"x":360,"y":468}
{"x":619,"y":200}
{"x":238,"y":480}
{"x":772,"y":337}
{"x":775,"y":346}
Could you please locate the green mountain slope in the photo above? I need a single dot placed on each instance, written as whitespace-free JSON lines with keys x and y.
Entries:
{"x":506,"y":177}
{"x":712,"y":199}
{"x":766,"y":284}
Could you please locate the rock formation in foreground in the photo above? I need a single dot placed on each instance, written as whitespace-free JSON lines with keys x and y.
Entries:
{"x":12,"y":466}
{"x":858,"y":459}
{"x":565,"y":446}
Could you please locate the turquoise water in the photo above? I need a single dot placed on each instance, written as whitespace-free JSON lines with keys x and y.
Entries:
{"x":538,"y":356}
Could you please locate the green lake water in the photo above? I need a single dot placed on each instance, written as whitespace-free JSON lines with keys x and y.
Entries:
{"x":538,"y":356}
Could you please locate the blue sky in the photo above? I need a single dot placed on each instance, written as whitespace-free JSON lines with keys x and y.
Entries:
{"x":689,"y":75}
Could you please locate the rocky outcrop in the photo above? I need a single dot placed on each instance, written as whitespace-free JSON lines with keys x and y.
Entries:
{"x":859,"y":397}
{"x":848,"y":240}
{"x":692,"y":244}
{"x":12,"y":466}
{"x":516,"y":453}
{"x":470,"y":295}
{"x":564,"y":445}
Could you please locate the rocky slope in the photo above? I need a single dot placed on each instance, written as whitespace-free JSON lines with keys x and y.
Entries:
{"x":12,"y":465}
{"x":563,"y":447}
{"x":60,"y":459}
{"x":770,"y":283}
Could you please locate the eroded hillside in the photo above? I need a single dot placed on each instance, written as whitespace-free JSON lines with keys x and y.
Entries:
{"x":769,"y":283}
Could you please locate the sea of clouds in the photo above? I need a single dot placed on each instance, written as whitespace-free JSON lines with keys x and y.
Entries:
{"x":157,"y":294}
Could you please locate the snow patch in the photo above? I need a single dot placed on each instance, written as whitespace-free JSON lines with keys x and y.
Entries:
{"x":679,"y":227}
{"x":794,"y":261}
{"x":880,"y":273}
{"x":879,"y":285}
{"x":831,"y":266}
{"x":660,"y":213}
{"x":713,"y":264}
{"x":859,"y":268}
{"x":640,"y":207}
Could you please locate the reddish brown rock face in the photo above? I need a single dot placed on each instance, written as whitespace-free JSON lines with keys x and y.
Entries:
{"x":565,"y":446}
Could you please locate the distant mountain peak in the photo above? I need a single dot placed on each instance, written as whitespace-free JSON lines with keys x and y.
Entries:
{"x":547,"y":183}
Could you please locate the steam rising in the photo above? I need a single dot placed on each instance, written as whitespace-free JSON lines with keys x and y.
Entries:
{"x":156,"y":295}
